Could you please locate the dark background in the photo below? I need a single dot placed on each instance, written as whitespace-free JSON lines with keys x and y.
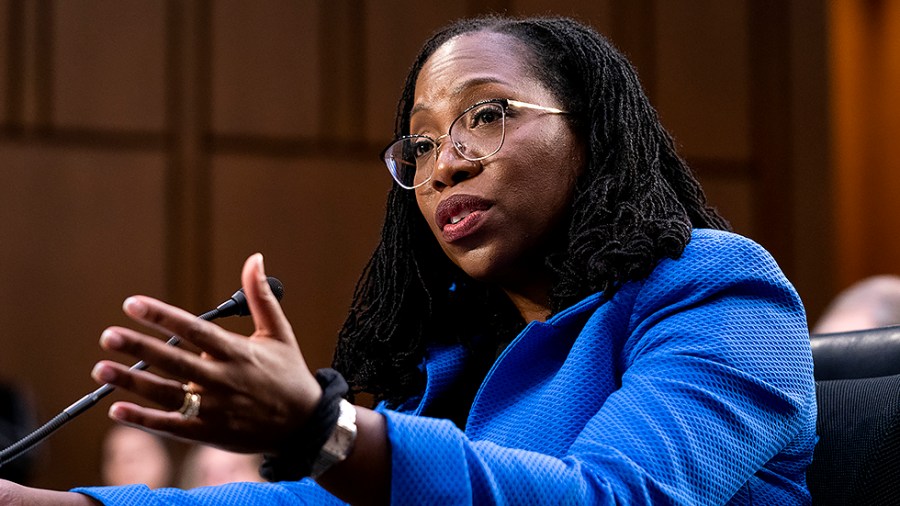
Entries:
{"x":149,"y":146}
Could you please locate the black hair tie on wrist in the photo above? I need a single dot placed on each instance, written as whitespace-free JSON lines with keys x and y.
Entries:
{"x":295,"y":460}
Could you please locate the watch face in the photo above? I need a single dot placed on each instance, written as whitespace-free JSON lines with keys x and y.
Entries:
{"x":344,"y":434}
{"x":340,"y":442}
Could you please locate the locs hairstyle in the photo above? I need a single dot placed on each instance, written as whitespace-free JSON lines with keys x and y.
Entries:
{"x":634,"y":205}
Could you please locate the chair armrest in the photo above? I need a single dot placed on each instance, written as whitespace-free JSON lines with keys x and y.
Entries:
{"x":856,"y":354}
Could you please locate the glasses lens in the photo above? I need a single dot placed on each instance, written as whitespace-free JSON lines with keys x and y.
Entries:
{"x":478,"y":132}
{"x":410,"y":160}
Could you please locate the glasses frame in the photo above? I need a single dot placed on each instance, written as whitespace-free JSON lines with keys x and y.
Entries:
{"x":505,"y":104}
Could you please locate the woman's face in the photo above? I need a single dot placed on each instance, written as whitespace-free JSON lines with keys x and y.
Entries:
{"x":495,"y":217}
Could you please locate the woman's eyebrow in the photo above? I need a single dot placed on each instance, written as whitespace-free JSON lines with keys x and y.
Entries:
{"x":459,"y":88}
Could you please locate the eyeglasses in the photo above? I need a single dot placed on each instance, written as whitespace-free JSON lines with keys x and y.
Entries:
{"x":476,"y":134}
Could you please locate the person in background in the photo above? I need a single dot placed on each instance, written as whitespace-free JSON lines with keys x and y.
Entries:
{"x":133,"y":456}
{"x":205,"y":466}
{"x":17,"y":419}
{"x":869,"y":303}
{"x":554,"y":315}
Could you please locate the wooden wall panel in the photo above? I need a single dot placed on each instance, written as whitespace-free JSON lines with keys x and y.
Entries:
{"x":633,"y":30}
{"x":342,"y":69}
{"x":812,"y":169}
{"x":703,"y":77}
{"x":32,"y":80}
{"x":82,"y":229}
{"x":395,"y":32}
{"x":6,"y":50}
{"x":733,"y":197}
{"x":771,"y":109}
{"x":886,"y":138}
{"x":265,"y":66}
{"x":598,"y":14}
{"x":883,"y":185}
{"x":316,"y":221}
{"x":864,"y":64}
{"x":848,"y":60}
{"x":108,"y":64}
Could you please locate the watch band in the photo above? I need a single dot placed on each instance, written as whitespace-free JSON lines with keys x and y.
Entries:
{"x":339,"y":443}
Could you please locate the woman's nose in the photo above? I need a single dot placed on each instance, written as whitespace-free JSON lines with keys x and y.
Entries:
{"x":450,"y":168}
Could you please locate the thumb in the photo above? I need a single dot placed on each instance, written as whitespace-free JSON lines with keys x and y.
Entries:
{"x":268,"y":317}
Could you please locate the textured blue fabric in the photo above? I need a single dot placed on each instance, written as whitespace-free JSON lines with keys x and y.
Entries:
{"x":301,"y":493}
{"x":693,"y":386}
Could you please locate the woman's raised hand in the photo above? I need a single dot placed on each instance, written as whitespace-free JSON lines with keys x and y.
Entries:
{"x":253,"y":391}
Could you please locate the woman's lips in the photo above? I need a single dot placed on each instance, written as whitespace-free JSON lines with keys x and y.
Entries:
{"x":456,"y":231}
{"x":460,"y":215}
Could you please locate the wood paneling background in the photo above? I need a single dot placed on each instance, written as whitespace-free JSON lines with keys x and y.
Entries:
{"x":865,"y":63}
{"x":149,"y":146}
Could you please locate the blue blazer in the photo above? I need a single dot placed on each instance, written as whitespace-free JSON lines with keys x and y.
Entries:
{"x":693,"y":386}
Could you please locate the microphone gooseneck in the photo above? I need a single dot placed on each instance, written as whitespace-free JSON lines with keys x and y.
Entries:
{"x":236,"y":305}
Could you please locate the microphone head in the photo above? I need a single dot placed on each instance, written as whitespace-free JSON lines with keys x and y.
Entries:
{"x":276,"y":287}
{"x":237,"y":304}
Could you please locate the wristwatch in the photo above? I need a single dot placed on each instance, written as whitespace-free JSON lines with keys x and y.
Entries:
{"x":339,"y":443}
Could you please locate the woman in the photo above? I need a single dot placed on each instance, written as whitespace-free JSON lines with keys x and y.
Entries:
{"x":549,"y":278}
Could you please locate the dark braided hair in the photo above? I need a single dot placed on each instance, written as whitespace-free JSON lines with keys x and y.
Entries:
{"x":634,"y":204}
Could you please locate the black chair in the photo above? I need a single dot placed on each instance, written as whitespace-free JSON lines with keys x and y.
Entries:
{"x":857,"y":459}
{"x":856,"y":354}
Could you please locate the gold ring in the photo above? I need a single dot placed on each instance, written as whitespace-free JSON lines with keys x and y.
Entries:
{"x":191,"y":406}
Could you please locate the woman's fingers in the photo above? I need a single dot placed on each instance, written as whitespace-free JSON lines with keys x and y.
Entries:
{"x":175,"y":361}
{"x":268,"y":317}
{"x":171,"y":320}
{"x":167,"y":393}
{"x":167,"y":423}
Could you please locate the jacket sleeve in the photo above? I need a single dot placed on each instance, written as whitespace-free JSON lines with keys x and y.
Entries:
{"x":716,"y":403}
{"x":301,"y":493}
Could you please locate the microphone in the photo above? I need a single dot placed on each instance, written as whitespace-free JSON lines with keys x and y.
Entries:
{"x":236,"y":305}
